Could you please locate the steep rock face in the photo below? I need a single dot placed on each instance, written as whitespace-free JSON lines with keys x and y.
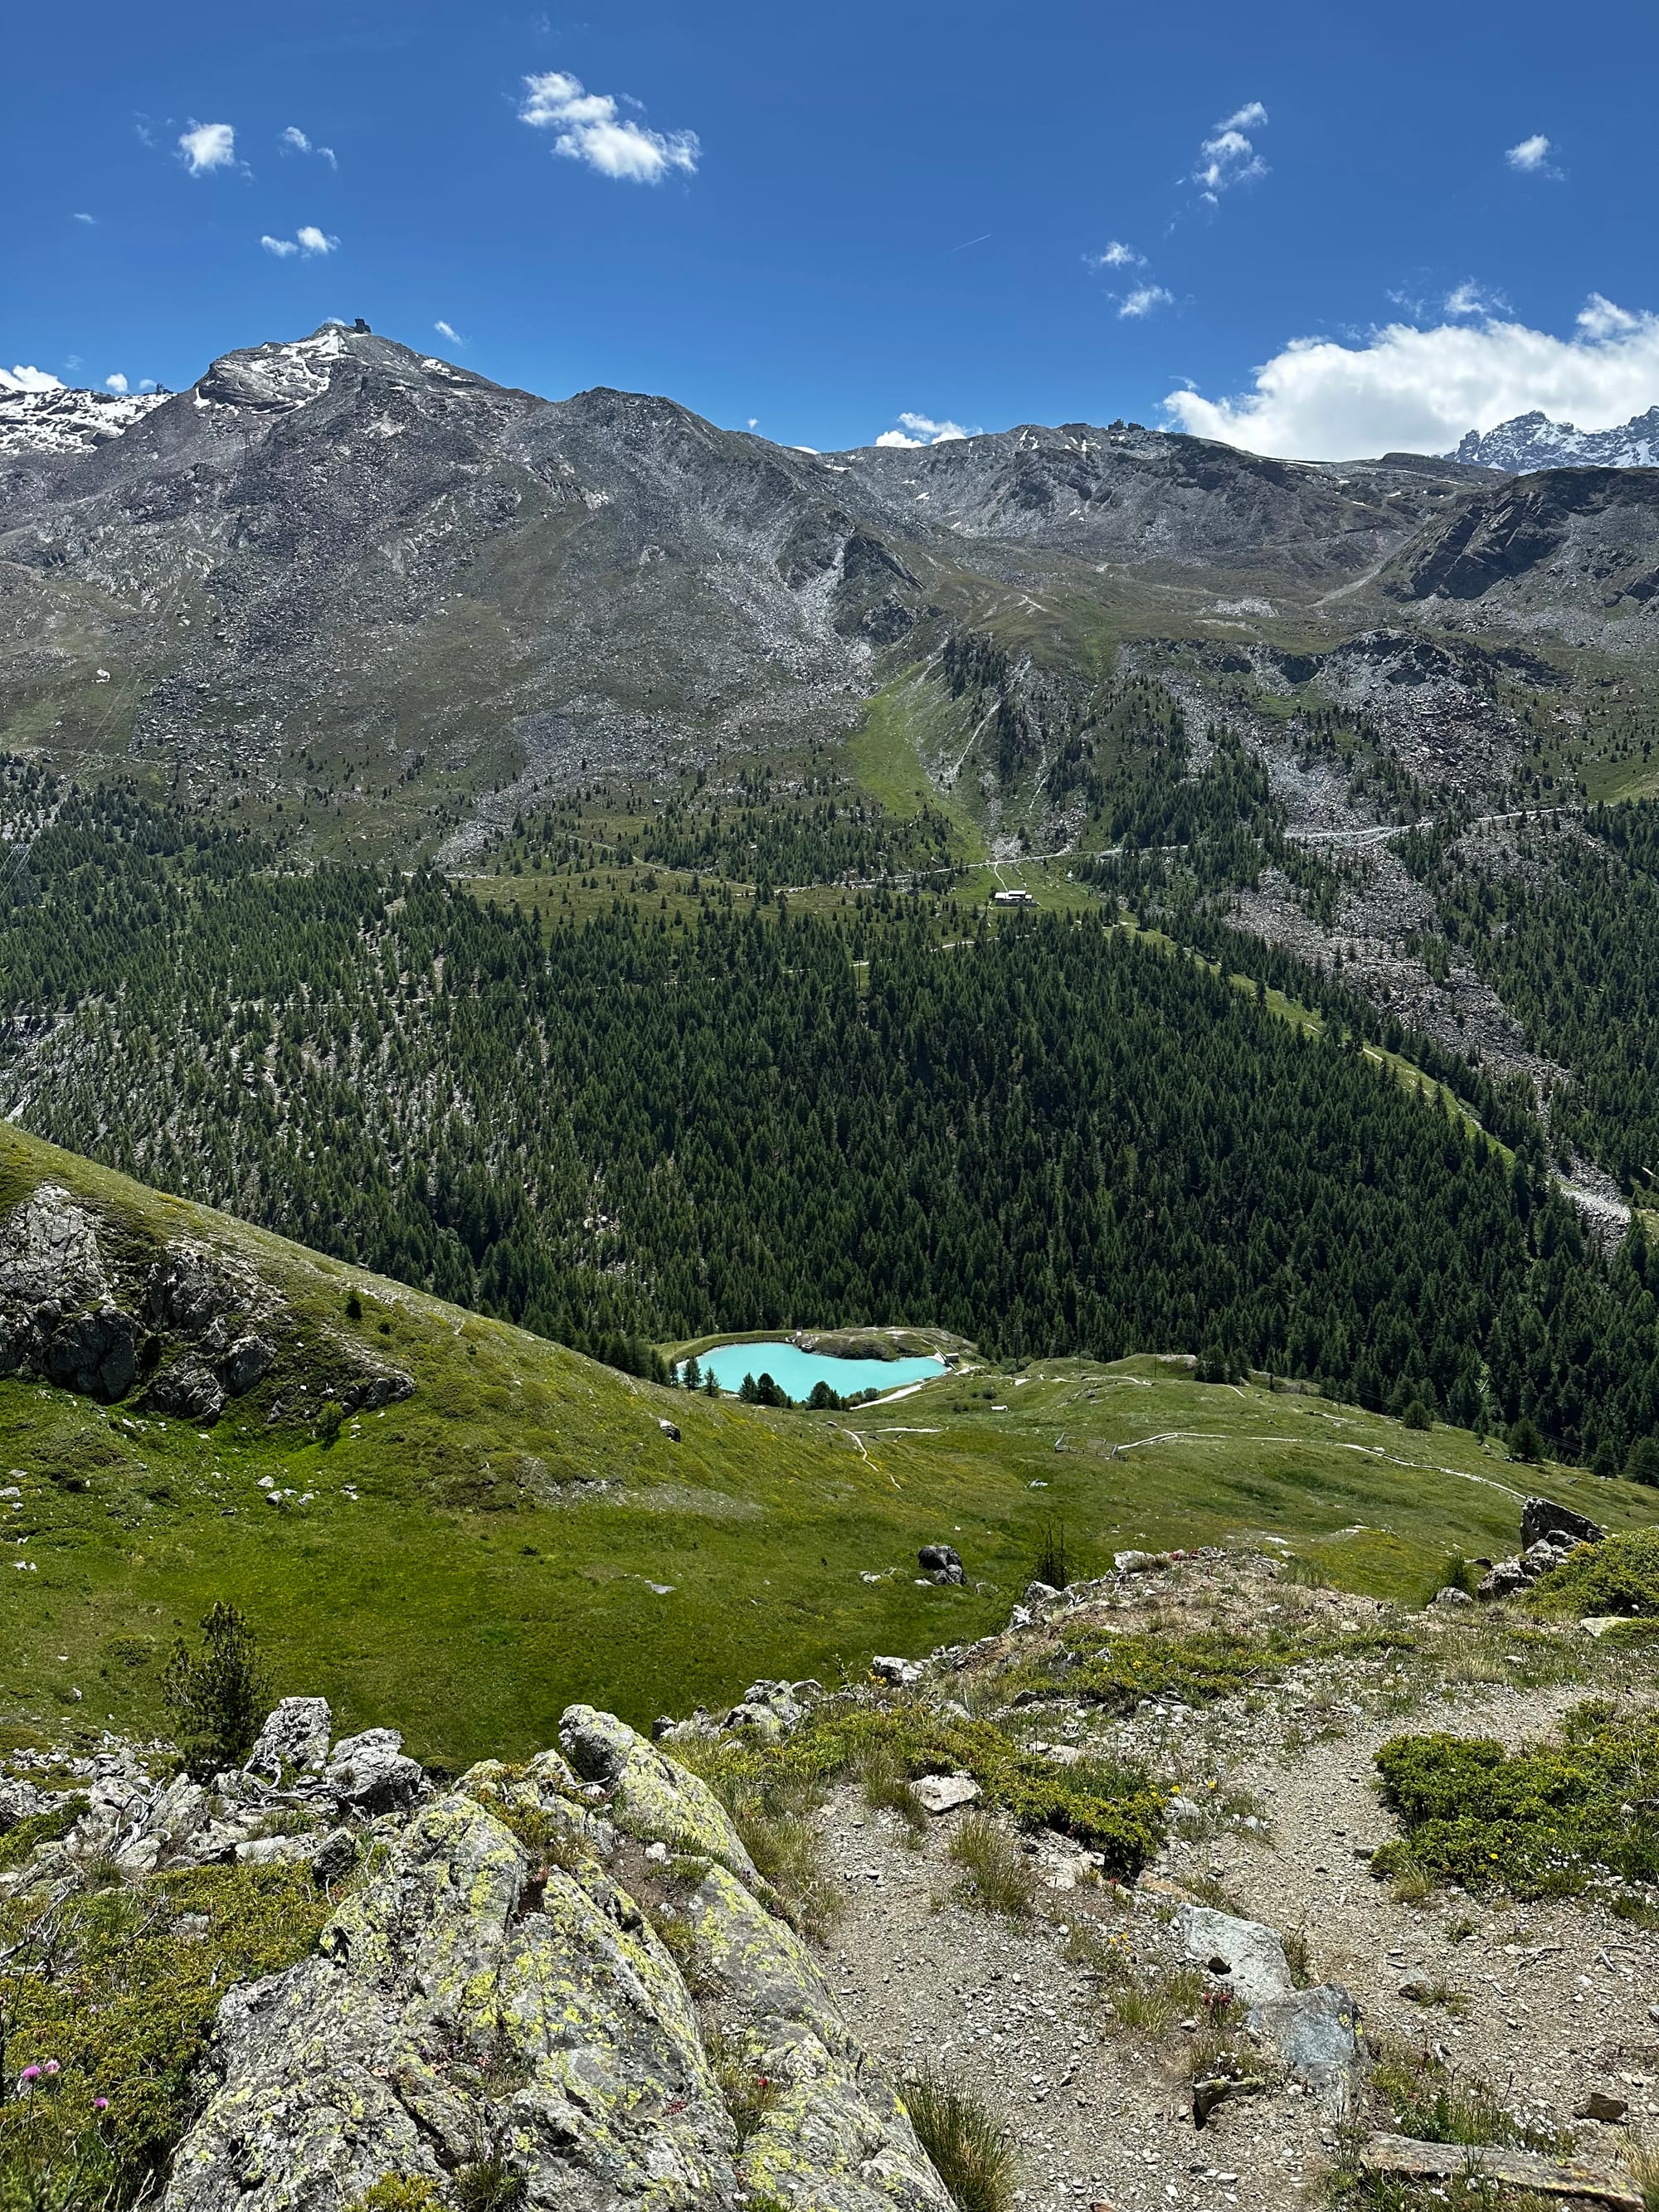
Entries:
{"x":494,"y":1994}
{"x":85,"y":1307}
{"x":1584,"y":537}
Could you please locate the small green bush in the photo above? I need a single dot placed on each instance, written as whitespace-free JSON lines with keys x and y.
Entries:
{"x":973,"y":2156}
{"x":398,"y":2192}
{"x":1431,"y":2104}
{"x":1619,"y":1575}
{"x":1523,"y":1441}
{"x":1104,"y":1804}
{"x":1417,"y":1415}
{"x":19,"y":1843}
{"x":127,"y":2010}
{"x":1534,"y":1822}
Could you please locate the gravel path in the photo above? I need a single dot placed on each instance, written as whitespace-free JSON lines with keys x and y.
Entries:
{"x":1559,"y":1999}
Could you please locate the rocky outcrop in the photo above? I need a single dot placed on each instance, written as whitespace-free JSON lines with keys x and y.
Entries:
{"x":1549,"y":1534}
{"x":495,"y":1997}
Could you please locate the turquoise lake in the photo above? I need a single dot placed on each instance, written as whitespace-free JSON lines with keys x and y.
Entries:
{"x":796,"y":1372}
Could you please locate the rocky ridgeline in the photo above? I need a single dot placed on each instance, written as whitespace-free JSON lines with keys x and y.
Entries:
{"x":491,"y":1987}
{"x":177,"y":1328}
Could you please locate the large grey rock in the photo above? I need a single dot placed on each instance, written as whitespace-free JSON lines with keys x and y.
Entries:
{"x":1250,"y":1955}
{"x":294,"y":1739}
{"x":1315,"y":2034}
{"x":1542,"y":1517}
{"x":48,"y":1252}
{"x":1504,"y":1580}
{"x":484,"y":1993}
{"x":943,"y":1562}
{"x":942,"y":1793}
{"x":370,"y":1773}
{"x":189,"y":1389}
{"x":645,"y":1793}
{"x":95,"y":1353}
{"x":248,"y":1361}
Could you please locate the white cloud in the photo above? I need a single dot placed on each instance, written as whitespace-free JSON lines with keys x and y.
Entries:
{"x":1143,"y":301}
{"x":116,"y":383}
{"x":309,"y":241}
{"x":1116,"y":255}
{"x":84,"y":218}
{"x":922,"y":430}
{"x":1471,"y":299}
{"x":448,"y":331}
{"x":1419,"y":390}
{"x":207,"y":146}
{"x":1531,"y":155}
{"x":294,"y":141}
{"x":29,"y":379}
{"x":1227,"y":157}
{"x":589,"y":131}
{"x":754,"y":422}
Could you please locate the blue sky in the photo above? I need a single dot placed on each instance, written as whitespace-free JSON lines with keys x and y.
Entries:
{"x":1336,"y":228}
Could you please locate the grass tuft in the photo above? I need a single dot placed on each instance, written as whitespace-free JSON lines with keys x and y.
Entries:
{"x":972,"y":2153}
{"x":996,"y":1876}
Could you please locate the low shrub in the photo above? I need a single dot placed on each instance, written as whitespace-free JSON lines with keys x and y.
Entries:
{"x":1104,"y":1804}
{"x":124,"y":2015}
{"x":19,"y":1843}
{"x":1619,"y":1574}
{"x":398,"y":2192}
{"x":972,"y":2153}
{"x":1536,"y":1821}
{"x":1431,"y":2103}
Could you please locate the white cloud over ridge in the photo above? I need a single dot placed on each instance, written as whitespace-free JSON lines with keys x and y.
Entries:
{"x":206,"y":147}
{"x":116,"y":383}
{"x":590,"y":131}
{"x":922,"y":430}
{"x":308,"y":241}
{"x":29,"y":379}
{"x":1410,"y":389}
{"x":448,"y":331}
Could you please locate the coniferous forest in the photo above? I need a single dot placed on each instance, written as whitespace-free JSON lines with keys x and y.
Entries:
{"x":1058,"y":1137}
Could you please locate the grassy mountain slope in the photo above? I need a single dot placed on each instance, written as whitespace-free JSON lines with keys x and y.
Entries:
{"x":468,"y":1561}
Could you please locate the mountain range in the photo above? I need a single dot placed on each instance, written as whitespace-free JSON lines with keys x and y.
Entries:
{"x":1532,"y":441}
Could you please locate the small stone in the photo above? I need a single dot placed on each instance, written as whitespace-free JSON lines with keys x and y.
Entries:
{"x":1598,"y":2105}
{"x":670,"y":1430}
{"x":904,"y":1673}
{"x":1450,"y":1597}
{"x":942,"y":1793}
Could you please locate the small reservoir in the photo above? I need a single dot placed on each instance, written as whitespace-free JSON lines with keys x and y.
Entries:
{"x":795,"y":1371}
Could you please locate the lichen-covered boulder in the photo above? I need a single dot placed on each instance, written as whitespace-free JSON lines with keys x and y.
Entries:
{"x":834,"y":2137}
{"x":491,"y":2001}
{"x":470,"y":2002}
{"x":646,"y":1794}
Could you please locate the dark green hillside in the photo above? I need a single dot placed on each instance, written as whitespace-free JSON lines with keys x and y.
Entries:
{"x":520,"y":1531}
{"x":1056,"y":1138}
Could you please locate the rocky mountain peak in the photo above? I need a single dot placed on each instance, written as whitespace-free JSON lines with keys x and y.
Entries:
{"x":1526,"y":442}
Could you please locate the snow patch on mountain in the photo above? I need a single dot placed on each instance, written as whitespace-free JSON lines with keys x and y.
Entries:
{"x":62,"y":421}
{"x":1532,"y":441}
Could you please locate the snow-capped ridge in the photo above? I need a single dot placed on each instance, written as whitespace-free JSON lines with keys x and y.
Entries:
{"x":1529,"y":443}
{"x":63,"y":420}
